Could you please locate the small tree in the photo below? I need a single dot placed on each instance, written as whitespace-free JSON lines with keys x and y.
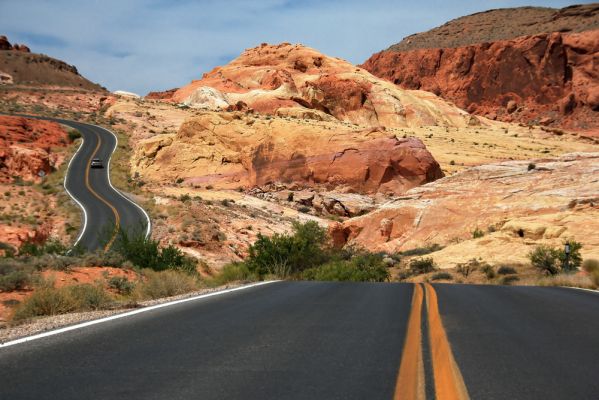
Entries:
{"x":575,"y":259}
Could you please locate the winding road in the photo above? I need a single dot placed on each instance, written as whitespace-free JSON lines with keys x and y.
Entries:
{"x":325,"y":340}
{"x":104,"y":208}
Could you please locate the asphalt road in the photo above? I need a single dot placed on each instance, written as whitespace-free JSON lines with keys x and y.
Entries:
{"x":103,"y":206}
{"x":317,"y":340}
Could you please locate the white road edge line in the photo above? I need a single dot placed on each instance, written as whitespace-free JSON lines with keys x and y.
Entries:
{"x":579,"y":288}
{"x":64,"y":184}
{"x":128,"y":314}
{"x":116,"y":143}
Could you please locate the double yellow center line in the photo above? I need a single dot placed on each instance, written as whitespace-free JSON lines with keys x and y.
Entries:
{"x":117,"y":217}
{"x":448,"y":381}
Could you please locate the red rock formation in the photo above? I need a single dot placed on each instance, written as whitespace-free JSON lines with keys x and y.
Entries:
{"x":5,"y":45}
{"x":25,"y":147}
{"x":165,"y":95}
{"x":527,"y":79}
{"x":294,"y":79}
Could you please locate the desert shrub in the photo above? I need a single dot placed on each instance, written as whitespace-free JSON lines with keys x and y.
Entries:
{"x":121,"y":284}
{"x":508,"y":279}
{"x":184,"y":198}
{"x":551,"y":261}
{"x":575,"y":259}
{"x":361,"y":268}
{"x":441,"y":275}
{"x":48,"y":300}
{"x":422,"y":265}
{"x":146,"y":253}
{"x":421,"y":251}
{"x":52,"y":261}
{"x":465,"y":269}
{"x":8,"y":250}
{"x":168,"y":283}
{"x":488,"y":270}
{"x":303,"y":249}
{"x":506,"y":270}
{"x":233,"y":272}
{"x":545,"y":259}
{"x":531,"y":166}
{"x":103,"y":259}
{"x":477,"y":233}
{"x":15,"y":280}
{"x":73,"y":135}
{"x":35,"y":249}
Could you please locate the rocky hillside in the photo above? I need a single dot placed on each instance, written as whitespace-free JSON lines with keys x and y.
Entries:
{"x":297,"y":81}
{"x":18,"y":66}
{"x":532,"y":65}
{"x":26,"y":147}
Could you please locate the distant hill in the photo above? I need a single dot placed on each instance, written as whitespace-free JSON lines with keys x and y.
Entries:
{"x":19,"y":66}
{"x":503,"y":24}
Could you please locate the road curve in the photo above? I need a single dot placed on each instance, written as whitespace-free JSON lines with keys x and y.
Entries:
{"x":322,"y":340}
{"x":103,"y":206}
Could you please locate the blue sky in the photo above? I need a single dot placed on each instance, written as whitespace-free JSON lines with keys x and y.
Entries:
{"x":144,"y":45}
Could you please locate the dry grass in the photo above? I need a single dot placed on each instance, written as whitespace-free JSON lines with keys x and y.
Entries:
{"x":571,"y":280}
{"x":165,"y":284}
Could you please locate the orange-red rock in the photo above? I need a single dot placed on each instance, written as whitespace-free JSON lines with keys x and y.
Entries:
{"x":549,"y":75}
{"x":269,"y":78}
{"x":26,"y":147}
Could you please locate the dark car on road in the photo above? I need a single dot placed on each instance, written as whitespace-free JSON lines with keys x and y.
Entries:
{"x":96,"y":163}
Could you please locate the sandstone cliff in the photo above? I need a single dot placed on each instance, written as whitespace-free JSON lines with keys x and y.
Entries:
{"x":238,"y":150}
{"x":533,"y":66}
{"x":294,"y":79}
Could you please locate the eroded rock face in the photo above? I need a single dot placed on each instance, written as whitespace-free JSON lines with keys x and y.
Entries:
{"x":270,"y":78}
{"x":238,"y":150}
{"x":549,"y":75}
{"x":25,"y":147}
{"x":5,"y":45}
{"x":515,"y":206}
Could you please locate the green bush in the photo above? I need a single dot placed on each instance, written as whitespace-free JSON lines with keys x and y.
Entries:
{"x":49,"y":247}
{"x":488,"y":271}
{"x":441,"y":275}
{"x":551,"y":261}
{"x":146,"y":253}
{"x":422,"y":265}
{"x":304,"y":249}
{"x":160,"y":284}
{"x":53,"y":301}
{"x":73,"y":135}
{"x":505,"y":270}
{"x":362,"y":268}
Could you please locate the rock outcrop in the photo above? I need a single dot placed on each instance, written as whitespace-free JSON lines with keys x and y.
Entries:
{"x":294,"y":79}
{"x":26,"y":147}
{"x":548,"y":76}
{"x":239,"y":150}
{"x":18,"y":66}
{"x":5,"y":45}
{"x":516,"y":204}
{"x":164,"y":95}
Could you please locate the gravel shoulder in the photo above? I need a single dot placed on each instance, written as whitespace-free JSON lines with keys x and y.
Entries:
{"x":44,"y":324}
